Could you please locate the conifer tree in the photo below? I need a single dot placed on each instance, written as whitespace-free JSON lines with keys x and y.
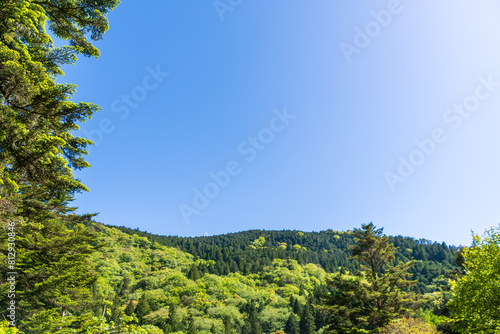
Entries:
{"x":130,"y":308}
{"x":307,"y":325}
{"x":368,"y":300}
{"x":38,"y":151}
{"x":142,"y":309}
{"x":292,"y":325}
{"x":193,"y":273}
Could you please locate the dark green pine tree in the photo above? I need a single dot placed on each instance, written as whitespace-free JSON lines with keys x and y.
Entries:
{"x":255,"y":325}
{"x":292,"y":325}
{"x":291,"y":301}
{"x":142,"y":308}
{"x":252,"y":325}
{"x":320,"y":318}
{"x":297,"y":309}
{"x":364,"y":302}
{"x":130,"y":308}
{"x":194,"y":273}
{"x":228,"y":326}
{"x":307,"y":325}
{"x":174,"y":319}
{"x":301,"y":290}
{"x":38,"y":153}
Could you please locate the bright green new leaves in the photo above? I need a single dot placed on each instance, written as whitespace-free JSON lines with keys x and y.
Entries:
{"x":36,"y":114}
{"x":475,"y":302}
{"x":38,"y":152}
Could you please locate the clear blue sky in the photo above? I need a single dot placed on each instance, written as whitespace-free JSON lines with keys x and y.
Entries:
{"x":309,"y":108}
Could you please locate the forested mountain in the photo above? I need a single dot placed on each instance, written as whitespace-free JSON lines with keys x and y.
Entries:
{"x":250,"y":251}
{"x":162,"y":287}
{"x":61,"y":272}
{"x":282,"y":287}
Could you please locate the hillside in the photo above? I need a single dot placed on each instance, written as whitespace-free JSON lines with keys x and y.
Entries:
{"x":251,"y":251}
{"x":281,"y":279}
{"x":164,"y":289}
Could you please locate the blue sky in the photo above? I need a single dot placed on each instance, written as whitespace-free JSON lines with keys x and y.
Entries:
{"x":295,"y":115}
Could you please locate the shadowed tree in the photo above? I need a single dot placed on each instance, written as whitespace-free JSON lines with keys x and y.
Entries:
{"x":368,"y":300}
{"x":292,"y":325}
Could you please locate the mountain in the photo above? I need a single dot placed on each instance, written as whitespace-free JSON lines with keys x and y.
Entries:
{"x":251,"y":251}
{"x":248,"y":282}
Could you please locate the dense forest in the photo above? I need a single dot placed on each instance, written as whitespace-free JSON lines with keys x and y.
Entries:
{"x":63,"y":272}
{"x":168,"y":290}
{"x":251,"y":251}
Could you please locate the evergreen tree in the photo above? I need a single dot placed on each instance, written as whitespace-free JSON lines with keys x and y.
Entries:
{"x":292,"y":326}
{"x":142,"y":309}
{"x":307,"y":320}
{"x":320,"y":319}
{"x":291,"y":301}
{"x":37,"y":154}
{"x":297,"y":309}
{"x":228,"y":326}
{"x":193,"y":273}
{"x":130,"y":308}
{"x":253,"y":324}
{"x":366,"y":301}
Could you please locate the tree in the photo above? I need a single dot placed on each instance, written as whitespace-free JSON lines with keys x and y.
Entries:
{"x":292,"y":325}
{"x":307,"y":325}
{"x":252,"y":325}
{"x":38,"y":152}
{"x":192,"y":326}
{"x":368,"y":300}
{"x":408,"y":326}
{"x":474,"y":303}
{"x":142,"y":309}
{"x":129,"y":310}
{"x":193,"y":273}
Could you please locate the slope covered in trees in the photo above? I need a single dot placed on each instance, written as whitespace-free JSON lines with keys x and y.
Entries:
{"x":162,"y":287}
{"x":61,"y":272}
{"x":251,"y":251}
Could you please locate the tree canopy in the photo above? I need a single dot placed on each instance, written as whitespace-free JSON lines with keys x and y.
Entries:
{"x":38,"y":153}
{"x":369,"y":299}
{"x":475,"y":304}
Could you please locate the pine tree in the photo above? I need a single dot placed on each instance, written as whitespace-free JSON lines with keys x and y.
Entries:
{"x":364,"y":302}
{"x":228,"y":326}
{"x":142,"y":309}
{"x":252,"y":324}
{"x":193,"y":273}
{"x":307,"y":320}
{"x":297,"y":309}
{"x":291,"y":301}
{"x":292,"y":326}
{"x":130,"y":308}
{"x":37,"y":154}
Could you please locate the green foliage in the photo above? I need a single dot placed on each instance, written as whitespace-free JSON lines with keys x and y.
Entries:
{"x":328,"y":249}
{"x":38,"y":152}
{"x":306,"y":324}
{"x":292,"y":325}
{"x":475,"y":304}
{"x":408,"y":326}
{"x":6,"y":329}
{"x":368,"y":300}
